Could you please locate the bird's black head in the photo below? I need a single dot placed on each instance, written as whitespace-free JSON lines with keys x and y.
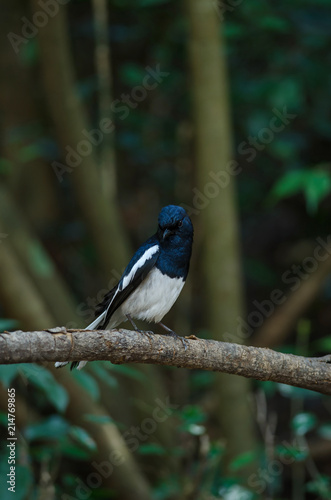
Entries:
{"x":175,"y":235}
{"x":174,"y":225}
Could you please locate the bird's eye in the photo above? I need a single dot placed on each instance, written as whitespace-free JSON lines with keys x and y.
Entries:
{"x":180,"y":223}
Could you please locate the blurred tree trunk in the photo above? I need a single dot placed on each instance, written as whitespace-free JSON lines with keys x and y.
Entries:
{"x":219,"y":220}
{"x":18,"y":295}
{"x":29,"y":176}
{"x":37,"y":263}
{"x":106,"y":155}
{"x":277,"y":328}
{"x":70,"y":120}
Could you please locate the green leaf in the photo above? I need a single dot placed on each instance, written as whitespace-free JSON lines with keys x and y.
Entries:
{"x":192,"y":414}
{"x":98,"y":419}
{"x":314,"y":183}
{"x":53,"y":428}
{"x":268,"y":387}
{"x":273,"y":23}
{"x":23,"y":481}
{"x":4,"y":419}
{"x":148,"y":3}
{"x":132,"y":74}
{"x":167,"y":488}
{"x":291,"y":183}
{"x":129,"y":372}
{"x":8,"y":324}
{"x":202,"y":380}
{"x":320,"y":486}
{"x":290,"y":391}
{"x":283,"y":148}
{"x":72,"y":450}
{"x":8,"y":373}
{"x":30,"y":153}
{"x":28,"y":53}
{"x":88,"y":382}
{"x":233,"y":30}
{"x":82,"y":437}
{"x":103,"y":374}
{"x":303,"y":423}
{"x":192,"y":417}
{"x":242,"y":460}
{"x":323,"y":344}
{"x":259,"y":272}
{"x":216,"y":450}
{"x":317,"y":186}
{"x":5,"y":166}
{"x":44,"y":380}
{"x":325,"y":431}
{"x":151,"y":449}
{"x":287,"y":90}
{"x":297,"y":454}
{"x":39,"y":259}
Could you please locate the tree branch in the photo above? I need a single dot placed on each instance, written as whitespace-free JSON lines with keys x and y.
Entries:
{"x":126,"y":346}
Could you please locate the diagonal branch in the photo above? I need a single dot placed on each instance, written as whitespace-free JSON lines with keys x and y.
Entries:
{"x":126,"y":346}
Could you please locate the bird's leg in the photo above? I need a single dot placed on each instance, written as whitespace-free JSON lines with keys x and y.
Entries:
{"x":147,"y":333}
{"x":174,"y":334}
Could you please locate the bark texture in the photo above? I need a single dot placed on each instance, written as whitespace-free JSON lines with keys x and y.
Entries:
{"x":126,"y":346}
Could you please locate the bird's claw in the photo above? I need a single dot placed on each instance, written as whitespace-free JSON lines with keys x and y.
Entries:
{"x":148,"y":333}
{"x":183,"y":341}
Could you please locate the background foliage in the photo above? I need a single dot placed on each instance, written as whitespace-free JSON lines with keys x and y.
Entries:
{"x":278,"y":57}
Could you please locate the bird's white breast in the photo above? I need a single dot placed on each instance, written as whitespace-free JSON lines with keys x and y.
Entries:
{"x":153,"y":298}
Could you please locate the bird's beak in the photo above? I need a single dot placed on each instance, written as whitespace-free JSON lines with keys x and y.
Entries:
{"x":166,"y":233}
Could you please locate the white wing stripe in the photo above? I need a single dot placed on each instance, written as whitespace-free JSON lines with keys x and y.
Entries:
{"x":126,"y":280}
{"x":140,"y":263}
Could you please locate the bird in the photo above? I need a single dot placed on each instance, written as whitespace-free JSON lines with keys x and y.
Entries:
{"x":153,"y":279}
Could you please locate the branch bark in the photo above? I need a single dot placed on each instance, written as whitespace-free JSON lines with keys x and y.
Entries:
{"x":126,"y":346}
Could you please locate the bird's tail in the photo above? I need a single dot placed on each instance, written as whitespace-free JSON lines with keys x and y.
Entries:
{"x":92,"y":326}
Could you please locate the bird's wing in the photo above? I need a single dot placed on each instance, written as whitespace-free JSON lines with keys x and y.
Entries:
{"x":140,"y":265}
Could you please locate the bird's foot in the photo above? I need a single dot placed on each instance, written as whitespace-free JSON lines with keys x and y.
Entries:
{"x":183,"y":341}
{"x":174,"y":334}
{"x":148,"y":333}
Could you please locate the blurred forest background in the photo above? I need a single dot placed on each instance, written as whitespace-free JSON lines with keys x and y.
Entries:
{"x":109,"y":111}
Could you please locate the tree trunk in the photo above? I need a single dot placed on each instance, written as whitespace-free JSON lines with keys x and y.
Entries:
{"x":70,"y":120}
{"x":18,"y":295}
{"x":219,"y":220}
{"x":37,"y":263}
{"x":29,"y":176}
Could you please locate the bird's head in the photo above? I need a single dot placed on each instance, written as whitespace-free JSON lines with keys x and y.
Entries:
{"x":174,"y":224}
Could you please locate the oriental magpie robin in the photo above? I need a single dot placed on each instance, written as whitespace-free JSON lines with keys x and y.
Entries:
{"x":153,"y":279}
